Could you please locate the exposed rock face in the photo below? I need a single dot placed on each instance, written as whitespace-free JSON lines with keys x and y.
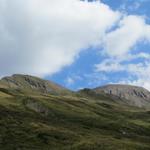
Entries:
{"x":27,"y":82}
{"x":37,"y":106}
{"x":133,"y":95}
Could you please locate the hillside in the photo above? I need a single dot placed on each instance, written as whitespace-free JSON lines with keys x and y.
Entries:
{"x":132,"y":95}
{"x":32,"y":118}
{"x":31,"y":83}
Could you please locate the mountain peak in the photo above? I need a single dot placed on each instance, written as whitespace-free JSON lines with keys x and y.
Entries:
{"x":134,"y":95}
{"x":28,"y":82}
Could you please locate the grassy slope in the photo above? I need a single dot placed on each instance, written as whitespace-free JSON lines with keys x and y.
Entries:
{"x":70,"y":123}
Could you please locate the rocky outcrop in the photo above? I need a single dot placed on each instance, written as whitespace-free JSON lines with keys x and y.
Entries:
{"x":36,"y":106}
{"x":27,"y":82}
{"x":132,"y":95}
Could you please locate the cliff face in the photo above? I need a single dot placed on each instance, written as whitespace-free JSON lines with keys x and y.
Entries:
{"x":132,"y":95}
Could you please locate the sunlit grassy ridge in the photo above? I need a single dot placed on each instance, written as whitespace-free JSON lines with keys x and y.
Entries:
{"x":36,"y":121}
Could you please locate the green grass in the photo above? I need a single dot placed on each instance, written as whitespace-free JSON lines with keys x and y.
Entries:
{"x":72,"y":122}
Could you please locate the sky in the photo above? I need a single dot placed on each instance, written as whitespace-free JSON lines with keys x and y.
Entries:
{"x":77,"y":43}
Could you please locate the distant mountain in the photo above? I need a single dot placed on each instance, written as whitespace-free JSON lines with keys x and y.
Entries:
{"x":132,"y":95}
{"x":26,"y":82}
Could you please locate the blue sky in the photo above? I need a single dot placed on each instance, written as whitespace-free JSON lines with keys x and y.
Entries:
{"x":76,"y":43}
{"x":82,"y":73}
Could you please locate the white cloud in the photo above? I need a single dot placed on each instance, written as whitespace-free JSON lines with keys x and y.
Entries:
{"x":131,"y":30}
{"x":120,"y":49}
{"x":141,"y":72}
{"x":95,"y":79}
{"x":69,"y":81}
{"x":109,"y":65}
{"x":138,"y":72}
{"x":132,"y":7}
{"x":117,"y":64}
{"x":40,"y":37}
{"x":141,"y":82}
{"x":72,"y":79}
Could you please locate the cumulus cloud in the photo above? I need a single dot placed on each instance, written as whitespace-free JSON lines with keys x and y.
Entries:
{"x":40,"y":37}
{"x":141,"y":72}
{"x":131,"y":30}
{"x":138,"y":72}
{"x":122,"y":55}
{"x":118,"y":64}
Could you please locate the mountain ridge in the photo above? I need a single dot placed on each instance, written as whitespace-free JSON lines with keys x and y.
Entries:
{"x":28,"y":82}
{"x":130,"y":94}
{"x":134,"y":95}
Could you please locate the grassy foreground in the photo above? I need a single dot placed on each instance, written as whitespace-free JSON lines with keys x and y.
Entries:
{"x":72,"y":122}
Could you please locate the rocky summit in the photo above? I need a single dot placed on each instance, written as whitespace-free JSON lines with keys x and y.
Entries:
{"x":37,"y":114}
{"x":133,"y":95}
{"x":26,"y":82}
